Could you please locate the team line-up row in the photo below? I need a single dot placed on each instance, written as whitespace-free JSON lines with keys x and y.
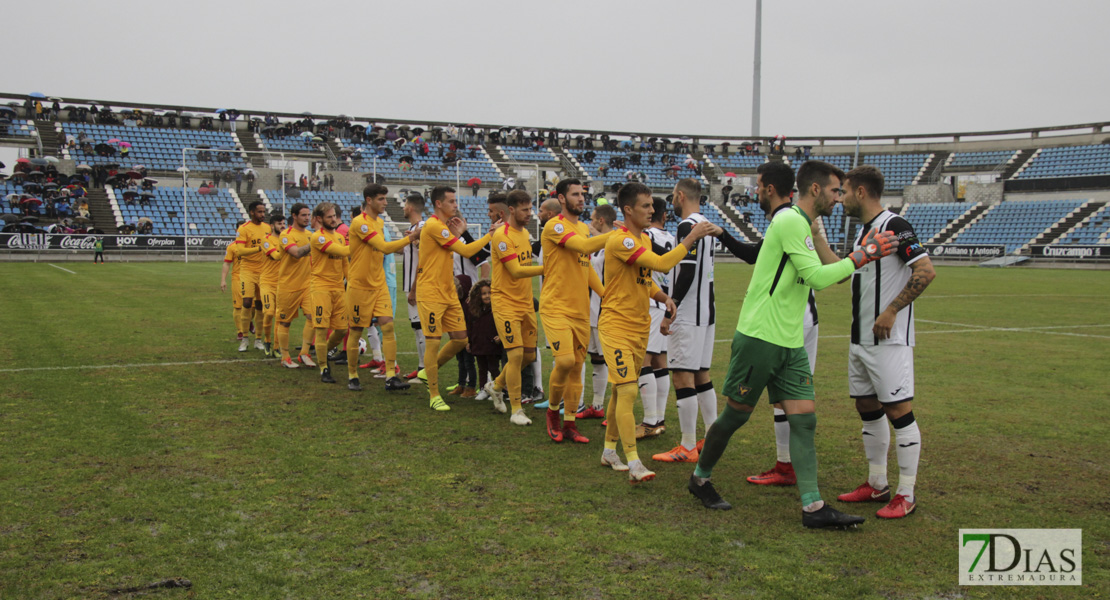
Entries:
{"x":636,"y":300}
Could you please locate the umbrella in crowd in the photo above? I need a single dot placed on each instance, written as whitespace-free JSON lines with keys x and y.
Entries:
{"x":39,"y":162}
{"x":23,"y":160}
{"x":730,"y":174}
{"x":103,"y":149}
{"x":9,"y":218}
{"x":408,"y":159}
{"x":31,"y":201}
{"x":83,"y":168}
{"x":473,"y":181}
{"x":51,"y":159}
{"x":113,"y":141}
{"x":37,"y":95}
{"x":80,"y":219}
{"x":306,"y":134}
{"x":125,"y":144}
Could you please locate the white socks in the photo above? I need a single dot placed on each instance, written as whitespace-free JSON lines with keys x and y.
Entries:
{"x":374,"y":340}
{"x":908,"y":439}
{"x":420,"y":346}
{"x":782,"y":436}
{"x":876,"y":442}
{"x":662,"y":390}
{"x":647,"y":392}
{"x":600,"y":382}
{"x":707,"y":402}
{"x":688,"y":416}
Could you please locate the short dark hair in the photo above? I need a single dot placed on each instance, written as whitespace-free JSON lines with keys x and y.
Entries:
{"x":691,"y":188}
{"x":660,"y":206}
{"x":816,"y":171}
{"x":778,"y":175}
{"x":253,"y":205}
{"x":564,"y":186}
{"x":356,"y":211}
{"x":868,"y":176}
{"x":296,"y":208}
{"x":275,"y":217}
{"x":497,"y":198}
{"x":630,"y":192}
{"x":416,"y":200}
{"x":606,"y":213}
{"x":374,"y":189}
{"x":440,"y":192}
{"x":518,"y":197}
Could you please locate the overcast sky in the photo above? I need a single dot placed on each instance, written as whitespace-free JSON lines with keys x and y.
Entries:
{"x":829,"y":68}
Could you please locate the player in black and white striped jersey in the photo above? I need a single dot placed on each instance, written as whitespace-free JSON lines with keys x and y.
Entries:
{"x":693,"y":328}
{"x":414,"y":213}
{"x":655,"y":378}
{"x":880,"y":356}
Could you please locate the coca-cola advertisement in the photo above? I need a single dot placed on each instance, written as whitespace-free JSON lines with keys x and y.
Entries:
{"x":61,"y":241}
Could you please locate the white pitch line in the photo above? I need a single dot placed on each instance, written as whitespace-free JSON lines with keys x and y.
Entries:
{"x":1010,"y":296}
{"x":982,"y":328}
{"x":61,"y":269}
{"x":143,"y":365}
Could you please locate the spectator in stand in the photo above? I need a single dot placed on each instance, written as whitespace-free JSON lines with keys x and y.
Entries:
{"x":55,"y":110}
{"x":485,"y":345}
{"x":726,"y":191}
{"x":216,"y":178}
{"x":238,"y":180}
{"x":304,"y":183}
{"x":250,"y":181}
{"x":798,"y":154}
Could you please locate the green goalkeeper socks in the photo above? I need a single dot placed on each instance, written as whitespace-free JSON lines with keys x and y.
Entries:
{"x":716,"y":439}
{"x":803,"y":453}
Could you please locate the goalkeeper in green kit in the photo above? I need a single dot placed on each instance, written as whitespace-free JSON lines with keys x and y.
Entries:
{"x":768,"y":348}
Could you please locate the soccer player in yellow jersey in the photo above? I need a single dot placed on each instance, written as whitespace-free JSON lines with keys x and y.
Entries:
{"x":293,"y":283}
{"x":231,"y":263}
{"x":367,"y":293}
{"x":250,"y":236}
{"x":624,"y":321}
{"x":565,"y":304}
{"x":268,"y":280}
{"x":436,"y":298}
{"x":329,"y":307}
{"x":513,"y":312}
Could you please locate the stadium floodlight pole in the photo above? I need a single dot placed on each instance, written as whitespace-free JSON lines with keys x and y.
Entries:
{"x":185,"y":201}
{"x":756,"y":70}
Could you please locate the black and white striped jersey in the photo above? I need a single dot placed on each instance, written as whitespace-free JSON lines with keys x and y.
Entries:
{"x":694,"y":279}
{"x":412,"y":260}
{"x":878,"y":283}
{"x":662,"y":242}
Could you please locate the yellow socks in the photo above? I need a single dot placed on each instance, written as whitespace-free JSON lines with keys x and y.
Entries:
{"x":431,"y":365}
{"x":571,"y":392}
{"x":237,"y":314}
{"x":625,"y":395}
{"x":267,"y":327}
{"x":510,"y":375}
{"x":321,"y":348}
{"x":449,"y":350}
{"x":389,"y":348}
{"x":283,"y":340}
{"x":307,"y":335}
{"x":353,"y":336}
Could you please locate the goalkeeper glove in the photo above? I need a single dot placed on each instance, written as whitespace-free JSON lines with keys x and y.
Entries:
{"x":874,"y":246}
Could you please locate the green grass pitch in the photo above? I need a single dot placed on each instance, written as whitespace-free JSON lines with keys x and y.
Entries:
{"x":253,"y":481}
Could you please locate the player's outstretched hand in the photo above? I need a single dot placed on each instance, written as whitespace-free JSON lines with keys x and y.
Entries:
{"x":716,"y":231}
{"x":874,"y":246}
{"x":457,"y":225}
{"x":223,"y":286}
{"x":497,"y":224}
{"x":415,"y":233}
{"x":702,"y":229}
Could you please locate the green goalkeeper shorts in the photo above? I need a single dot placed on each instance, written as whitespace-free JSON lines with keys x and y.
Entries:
{"x":756,"y":365}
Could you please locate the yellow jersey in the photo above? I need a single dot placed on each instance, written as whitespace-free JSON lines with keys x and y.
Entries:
{"x":435,"y":275}
{"x":231,"y":257}
{"x":329,"y":254}
{"x":507,"y":292}
{"x":566,"y":272}
{"x":271,"y":249}
{"x":294,"y":272}
{"x":628,"y":287}
{"x":368,"y":250}
{"x":252,"y":236}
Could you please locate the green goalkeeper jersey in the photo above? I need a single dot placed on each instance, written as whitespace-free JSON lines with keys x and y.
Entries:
{"x":786,"y":269}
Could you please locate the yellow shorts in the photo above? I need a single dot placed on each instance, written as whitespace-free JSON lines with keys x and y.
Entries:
{"x":329,"y":309}
{"x":364,"y":305}
{"x":437,"y":318}
{"x":269,"y":299}
{"x":248,"y":284}
{"x":566,"y":335}
{"x":623,"y":355}
{"x":517,"y":329}
{"x":236,"y":293}
{"x":289,"y":302}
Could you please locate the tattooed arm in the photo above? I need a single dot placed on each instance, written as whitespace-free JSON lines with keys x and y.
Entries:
{"x":922,"y":275}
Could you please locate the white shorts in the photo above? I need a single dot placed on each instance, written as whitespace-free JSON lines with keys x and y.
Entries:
{"x":691,"y":347}
{"x":811,"y":347}
{"x":595,"y":342}
{"x":414,"y":316}
{"x":657,"y":342}
{"x":882,"y":371}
